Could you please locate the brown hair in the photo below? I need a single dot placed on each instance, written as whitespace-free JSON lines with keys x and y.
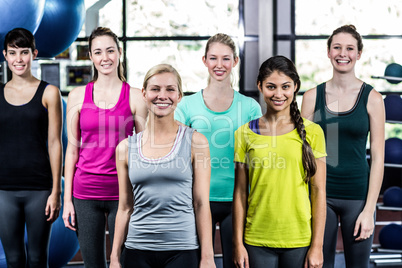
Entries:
{"x":350,"y":29}
{"x":102,"y":31}
{"x":283,"y":65}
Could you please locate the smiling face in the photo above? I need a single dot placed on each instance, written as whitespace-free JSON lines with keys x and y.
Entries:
{"x":343,"y":52}
{"x":105,"y":54}
{"x":162,"y":94}
{"x":19,"y":60}
{"x":278,"y":91}
{"x":220,"y":61}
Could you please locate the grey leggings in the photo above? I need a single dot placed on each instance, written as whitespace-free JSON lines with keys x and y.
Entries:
{"x":276,"y":257}
{"x":91,"y":216}
{"x":17,"y":209}
{"x":357,"y":254}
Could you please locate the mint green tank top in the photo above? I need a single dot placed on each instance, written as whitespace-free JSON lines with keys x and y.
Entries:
{"x":346,"y":138}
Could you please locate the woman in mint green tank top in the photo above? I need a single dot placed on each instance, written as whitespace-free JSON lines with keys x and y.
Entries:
{"x":217,"y":111}
{"x":347,"y":110}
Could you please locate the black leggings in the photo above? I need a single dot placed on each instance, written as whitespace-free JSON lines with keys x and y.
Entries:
{"x":222,"y":213}
{"x":134,"y":258}
{"x":17,"y":209}
{"x":357,"y":253}
{"x":91,"y":218}
{"x":276,"y":257}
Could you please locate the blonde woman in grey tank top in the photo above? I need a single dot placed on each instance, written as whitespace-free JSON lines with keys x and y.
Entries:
{"x":163,"y":218}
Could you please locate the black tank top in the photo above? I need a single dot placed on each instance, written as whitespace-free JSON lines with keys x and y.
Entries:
{"x":346,"y":138}
{"x":24,"y":158}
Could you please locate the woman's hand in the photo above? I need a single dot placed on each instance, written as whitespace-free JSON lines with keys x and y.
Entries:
{"x":240,"y":257}
{"x":53,"y":206}
{"x":69,"y":215}
{"x":364,"y":223}
{"x":314,"y":258}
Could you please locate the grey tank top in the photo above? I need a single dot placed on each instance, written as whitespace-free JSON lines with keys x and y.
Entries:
{"x":163,"y":217}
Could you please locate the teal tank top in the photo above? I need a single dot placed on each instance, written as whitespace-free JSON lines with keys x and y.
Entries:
{"x":346,"y":138}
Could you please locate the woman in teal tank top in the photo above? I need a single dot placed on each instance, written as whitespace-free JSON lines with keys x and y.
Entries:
{"x":217,"y":111}
{"x":347,"y":110}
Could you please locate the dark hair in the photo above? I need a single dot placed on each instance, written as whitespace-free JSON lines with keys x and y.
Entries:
{"x":350,"y":29}
{"x":102,"y":31}
{"x":283,"y":65}
{"x":19,"y":38}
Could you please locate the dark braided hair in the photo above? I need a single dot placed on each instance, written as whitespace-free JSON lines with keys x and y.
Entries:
{"x":283,"y":65}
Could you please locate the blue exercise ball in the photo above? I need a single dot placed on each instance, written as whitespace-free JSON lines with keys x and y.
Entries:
{"x":3,"y":262}
{"x":19,"y":14}
{"x":63,"y":243}
{"x":393,"y":197}
{"x":61,"y":23}
{"x":395,"y":70}
{"x":391,"y":236}
{"x":393,"y":107}
{"x":393,"y":151}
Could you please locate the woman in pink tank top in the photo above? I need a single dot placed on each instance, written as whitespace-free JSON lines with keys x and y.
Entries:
{"x":99,"y":116}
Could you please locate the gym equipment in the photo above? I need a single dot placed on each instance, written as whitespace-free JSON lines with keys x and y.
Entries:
{"x":63,"y":243}
{"x":393,"y":151}
{"x":61,"y":23}
{"x":393,"y":197}
{"x":3,"y":263}
{"x":19,"y":13}
{"x":393,"y":70}
{"x":391,"y":236}
{"x":393,"y":107}
{"x":393,"y":73}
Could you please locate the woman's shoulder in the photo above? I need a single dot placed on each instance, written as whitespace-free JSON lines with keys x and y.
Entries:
{"x":76,"y":95}
{"x":310,"y":94}
{"x":135,"y":92}
{"x":198,"y":138}
{"x":136,"y":96}
{"x":52,"y":90}
{"x":244,"y":128}
{"x":77,"y":91}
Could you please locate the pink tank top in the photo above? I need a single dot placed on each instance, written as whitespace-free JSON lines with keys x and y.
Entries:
{"x":95,"y":177}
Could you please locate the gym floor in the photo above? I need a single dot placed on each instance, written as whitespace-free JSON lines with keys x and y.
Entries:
{"x":339,"y":263}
